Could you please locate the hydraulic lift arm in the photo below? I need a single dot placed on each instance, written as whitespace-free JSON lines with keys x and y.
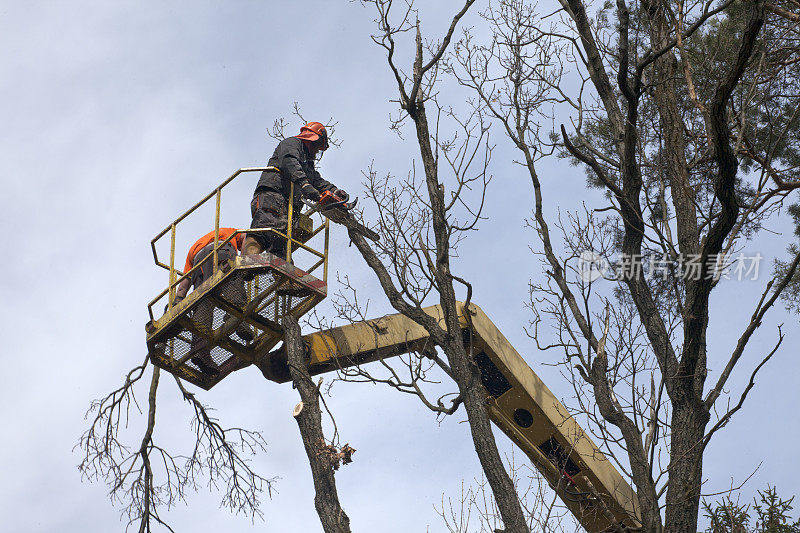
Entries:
{"x":519,"y":404}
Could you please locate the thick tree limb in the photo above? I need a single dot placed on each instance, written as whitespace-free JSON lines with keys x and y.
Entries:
{"x":724,"y":190}
{"x":309,"y":420}
{"x":597,"y":70}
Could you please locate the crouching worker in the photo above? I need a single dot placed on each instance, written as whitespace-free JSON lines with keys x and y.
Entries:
{"x":292,"y":162}
{"x":233,"y":291}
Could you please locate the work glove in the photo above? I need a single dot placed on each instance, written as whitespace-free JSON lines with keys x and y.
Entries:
{"x":310,"y":192}
{"x":341,"y":195}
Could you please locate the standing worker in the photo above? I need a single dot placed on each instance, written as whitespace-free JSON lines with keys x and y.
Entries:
{"x":233,"y":290}
{"x":292,"y":162}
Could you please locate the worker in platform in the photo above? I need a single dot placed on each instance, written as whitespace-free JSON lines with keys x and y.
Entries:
{"x":292,"y":162}
{"x":203,"y":247}
{"x":233,"y":291}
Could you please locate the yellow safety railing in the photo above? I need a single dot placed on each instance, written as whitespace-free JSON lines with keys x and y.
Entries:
{"x":175,"y":276}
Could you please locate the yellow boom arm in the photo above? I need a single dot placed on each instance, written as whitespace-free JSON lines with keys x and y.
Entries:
{"x":519,"y":404}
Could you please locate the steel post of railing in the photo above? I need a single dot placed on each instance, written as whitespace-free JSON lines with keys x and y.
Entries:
{"x":327,"y":237}
{"x":289,"y":229}
{"x":171,"y":297}
{"x":216,"y":229}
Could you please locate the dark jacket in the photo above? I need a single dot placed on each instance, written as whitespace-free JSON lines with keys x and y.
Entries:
{"x":296,"y":165}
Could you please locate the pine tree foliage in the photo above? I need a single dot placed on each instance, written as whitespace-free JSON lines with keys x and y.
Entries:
{"x":769,"y":513}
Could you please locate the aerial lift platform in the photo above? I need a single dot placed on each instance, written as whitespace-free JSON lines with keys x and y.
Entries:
{"x":519,"y":402}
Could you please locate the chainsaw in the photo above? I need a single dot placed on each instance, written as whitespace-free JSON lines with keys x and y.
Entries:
{"x":328,"y":200}
{"x":338,"y":210}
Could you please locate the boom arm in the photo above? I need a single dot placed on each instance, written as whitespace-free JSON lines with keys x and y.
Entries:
{"x":519,"y":404}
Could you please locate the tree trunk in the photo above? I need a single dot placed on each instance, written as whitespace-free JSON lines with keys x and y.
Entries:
{"x":309,"y":420}
{"x":685,"y":469}
{"x":465,"y":371}
{"x":467,"y":377}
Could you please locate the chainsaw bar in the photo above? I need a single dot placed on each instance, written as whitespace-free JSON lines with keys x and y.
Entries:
{"x":347,"y":206}
{"x":339,"y":212}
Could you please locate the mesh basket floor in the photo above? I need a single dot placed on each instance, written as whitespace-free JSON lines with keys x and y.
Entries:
{"x":232,"y":320}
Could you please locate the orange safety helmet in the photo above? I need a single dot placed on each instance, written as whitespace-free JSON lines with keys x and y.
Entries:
{"x":314,"y":131}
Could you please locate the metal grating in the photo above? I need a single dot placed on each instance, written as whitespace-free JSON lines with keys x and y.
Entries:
{"x":231,"y":318}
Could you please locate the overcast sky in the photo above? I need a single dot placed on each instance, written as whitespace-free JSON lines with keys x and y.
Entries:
{"x":117,"y":116}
